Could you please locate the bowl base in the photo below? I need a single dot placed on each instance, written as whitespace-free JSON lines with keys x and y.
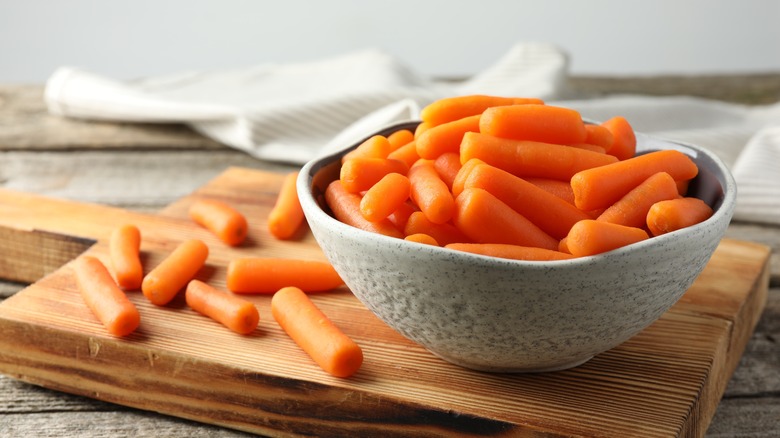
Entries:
{"x":513,"y":369}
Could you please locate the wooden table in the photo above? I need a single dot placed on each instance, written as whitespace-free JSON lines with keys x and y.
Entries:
{"x":130,"y":166}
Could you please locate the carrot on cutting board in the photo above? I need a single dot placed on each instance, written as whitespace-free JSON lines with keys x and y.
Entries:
{"x":453,"y":108}
{"x":430,"y":193}
{"x":514,"y":252}
{"x":286,"y":216}
{"x":542,"y":123}
{"x":485,"y":219}
{"x":125,"y":254}
{"x":590,"y":237}
{"x":445,"y":137}
{"x":384,"y":197}
{"x":674,"y":214}
{"x":104,"y":298}
{"x":631,"y":210}
{"x":346,"y":208}
{"x":548,"y":212}
{"x":162,"y":284}
{"x":326,"y":344}
{"x":623,"y":138}
{"x":233,"y":312}
{"x":224,"y":221}
{"x":359,"y":174}
{"x":255,"y":275}
{"x":601,"y":187}
{"x":530,"y":158}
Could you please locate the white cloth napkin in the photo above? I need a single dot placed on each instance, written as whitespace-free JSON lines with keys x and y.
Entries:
{"x":295,"y":112}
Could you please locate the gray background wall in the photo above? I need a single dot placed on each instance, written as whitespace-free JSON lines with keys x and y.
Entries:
{"x":126,"y":39}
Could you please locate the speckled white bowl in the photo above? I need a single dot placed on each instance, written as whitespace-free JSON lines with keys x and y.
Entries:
{"x":500,"y":315}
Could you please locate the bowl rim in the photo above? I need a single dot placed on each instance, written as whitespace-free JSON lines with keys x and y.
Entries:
{"x":723,"y":211}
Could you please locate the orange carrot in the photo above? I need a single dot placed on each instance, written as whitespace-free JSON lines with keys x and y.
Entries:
{"x":550,"y":213}
{"x":377,"y":146}
{"x":530,"y":158}
{"x":359,"y":174}
{"x":104,"y":298}
{"x":227,"y":223}
{"x":447,"y":166}
{"x":561,"y":189}
{"x":431,"y":194}
{"x":589,"y":147}
{"x":422,"y":127}
{"x":682,"y":186}
{"x":675,"y":214}
{"x":446,"y":137}
{"x":401,"y":215}
{"x":454,"y":108}
{"x":563,"y":247}
{"x":346,"y":208}
{"x":443,"y":233}
{"x":387,"y":195}
{"x":631,"y":210}
{"x":598,"y":135}
{"x":400,"y":138}
{"x":422,"y":238}
{"x":286,"y":216}
{"x":601,"y":187}
{"x":124,"y":249}
{"x":463,"y":174}
{"x":515,"y":252}
{"x":542,"y":123}
{"x":267,"y":275}
{"x":590,"y":237}
{"x":233,"y":312}
{"x":406,"y":153}
{"x":624,"y":138}
{"x":172,"y":274}
{"x":325,"y":343}
{"x":485,"y":219}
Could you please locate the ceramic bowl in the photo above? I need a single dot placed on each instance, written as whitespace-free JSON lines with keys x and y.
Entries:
{"x":501,"y":315}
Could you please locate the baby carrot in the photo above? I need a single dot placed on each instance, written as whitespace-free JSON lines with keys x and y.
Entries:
{"x":422,"y":238}
{"x":377,"y":146}
{"x":401,"y":215}
{"x":267,"y":275}
{"x":530,"y":158}
{"x":359,"y":174}
{"x":431,"y":194}
{"x":561,"y":189}
{"x":172,"y":274}
{"x":381,"y":200}
{"x":542,"y":123}
{"x":447,"y":166}
{"x":454,"y":108}
{"x":286,"y":216}
{"x":104,"y":298}
{"x":463,"y":173}
{"x":674,"y":214}
{"x":623,"y":138}
{"x":406,"y":153}
{"x":444,"y":234}
{"x":589,"y":147}
{"x":422,"y":127}
{"x":601,"y":187}
{"x":485,"y":219}
{"x":445,"y":137}
{"x":325,"y":343}
{"x":124,"y":248}
{"x":515,"y":252}
{"x":598,"y":135}
{"x":682,"y":186}
{"x":400,"y":138}
{"x":631,"y":210}
{"x":227,"y":223}
{"x":591,"y":237}
{"x":346,"y":208}
{"x":233,"y":312}
{"x":548,"y":212}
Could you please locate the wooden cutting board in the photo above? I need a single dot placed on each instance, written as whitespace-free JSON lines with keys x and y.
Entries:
{"x":665,"y":382}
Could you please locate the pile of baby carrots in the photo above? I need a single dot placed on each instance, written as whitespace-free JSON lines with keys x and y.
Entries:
{"x":289,"y":280}
{"x":514,"y":178}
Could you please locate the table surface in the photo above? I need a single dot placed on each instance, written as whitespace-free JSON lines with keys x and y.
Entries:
{"x":130,"y":166}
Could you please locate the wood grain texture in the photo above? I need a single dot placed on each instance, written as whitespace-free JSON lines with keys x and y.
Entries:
{"x":666,"y":381}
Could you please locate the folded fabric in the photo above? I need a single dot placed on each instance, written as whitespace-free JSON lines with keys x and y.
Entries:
{"x":295,"y":112}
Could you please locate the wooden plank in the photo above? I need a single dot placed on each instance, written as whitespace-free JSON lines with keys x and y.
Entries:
{"x":664,"y":382}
